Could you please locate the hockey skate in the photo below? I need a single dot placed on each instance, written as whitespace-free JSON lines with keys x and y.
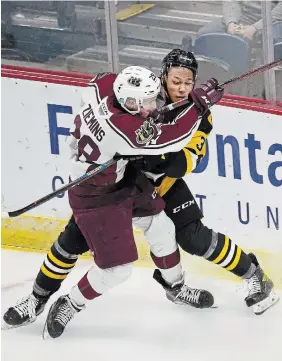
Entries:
{"x":261,"y":294}
{"x":60,"y":314}
{"x":182,"y":294}
{"x":24,"y":312}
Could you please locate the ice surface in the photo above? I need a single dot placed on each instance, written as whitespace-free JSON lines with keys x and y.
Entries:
{"x":135,"y":322}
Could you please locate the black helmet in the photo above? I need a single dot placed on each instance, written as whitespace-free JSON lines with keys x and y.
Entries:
{"x":179,"y":58}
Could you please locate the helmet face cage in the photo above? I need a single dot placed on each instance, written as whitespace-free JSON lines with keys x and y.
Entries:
{"x":179,"y":58}
{"x":133,"y":85}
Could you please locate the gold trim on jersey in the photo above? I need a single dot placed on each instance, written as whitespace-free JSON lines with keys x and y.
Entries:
{"x":165,"y":186}
{"x":210,"y":119}
{"x":193,"y":151}
{"x":198,"y":143}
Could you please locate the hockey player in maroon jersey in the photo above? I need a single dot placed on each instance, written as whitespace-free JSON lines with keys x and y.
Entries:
{"x":191,"y":234}
{"x":115,"y":118}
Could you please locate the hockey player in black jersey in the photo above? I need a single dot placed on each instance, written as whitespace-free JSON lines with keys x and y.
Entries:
{"x":178,"y":75}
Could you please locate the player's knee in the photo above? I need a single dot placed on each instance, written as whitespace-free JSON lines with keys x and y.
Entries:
{"x":71,"y":240}
{"x":103,"y":280}
{"x":120,"y":273}
{"x":195,"y":238}
{"x":161,"y":235}
{"x":62,"y":253}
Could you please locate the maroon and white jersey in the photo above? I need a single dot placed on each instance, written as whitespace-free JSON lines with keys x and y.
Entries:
{"x":103,"y":128}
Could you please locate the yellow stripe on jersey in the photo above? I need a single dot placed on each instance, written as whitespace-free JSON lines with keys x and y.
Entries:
{"x":210,"y":119}
{"x":165,"y":186}
{"x":58,"y":262}
{"x":223,"y":251}
{"x":51,"y":274}
{"x":236,"y":260}
{"x":198,"y":143}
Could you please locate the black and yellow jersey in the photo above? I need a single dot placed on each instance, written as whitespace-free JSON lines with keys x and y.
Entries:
{"x":172,"y":166}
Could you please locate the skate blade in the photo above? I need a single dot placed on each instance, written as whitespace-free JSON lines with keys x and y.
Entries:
{"x":6,"y":327}
{"x":45,"y":333}
{"x":260,"y":307}
{"x":192,"y":306}
{"x":214,"y":306}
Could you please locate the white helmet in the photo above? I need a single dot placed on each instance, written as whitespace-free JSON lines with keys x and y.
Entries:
{"x":135,"y":84}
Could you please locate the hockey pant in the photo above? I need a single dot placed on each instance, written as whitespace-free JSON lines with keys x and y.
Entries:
{"x":159,"y":232}
{"x":197,"y":239}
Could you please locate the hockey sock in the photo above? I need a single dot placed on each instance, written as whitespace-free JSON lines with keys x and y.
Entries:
{"x":98,"y":281}
{"x":169,"y":266}
{"x":225,"y":253}
{"x":57,"y":264}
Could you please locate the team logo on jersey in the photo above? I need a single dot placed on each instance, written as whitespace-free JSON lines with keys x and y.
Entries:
{"x":145,"y":133}
{"x":154,"y":194}
{"x":206,"y":99}
{"x":183,"y":206}
{"x":104,"y":108}
{"x":101,"y":75}
{"x":133,"y":80}
{"x":97,"y":77}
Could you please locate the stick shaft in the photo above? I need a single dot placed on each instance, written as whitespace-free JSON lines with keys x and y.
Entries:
{"x":66,"y":187}
{"x":250,"y":73}
{"x":107,"y":164}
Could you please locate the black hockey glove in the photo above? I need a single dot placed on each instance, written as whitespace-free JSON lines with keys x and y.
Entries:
{"x":156,"y":116}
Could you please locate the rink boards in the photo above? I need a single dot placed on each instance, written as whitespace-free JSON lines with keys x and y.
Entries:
{"x":238,"y":185}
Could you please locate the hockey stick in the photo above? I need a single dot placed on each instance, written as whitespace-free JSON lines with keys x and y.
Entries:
{"x":107,"y":164}
{"x":250,"y":73}
{"x":52,"y":195}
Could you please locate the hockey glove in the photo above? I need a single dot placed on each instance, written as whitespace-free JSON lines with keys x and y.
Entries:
{"x":206,"y":95}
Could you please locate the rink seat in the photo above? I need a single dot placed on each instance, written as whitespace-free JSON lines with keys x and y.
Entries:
{"x":230,"y":49}
{"x":37,"y":234}
{"x":219,"y":69}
